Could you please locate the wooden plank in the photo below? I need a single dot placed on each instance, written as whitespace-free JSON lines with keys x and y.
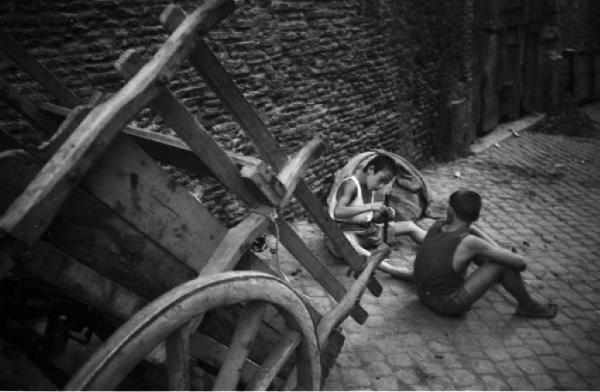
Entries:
{"x":241,"y":342}
{"x":40,"y":73}
{"x":31,"y":213}
{"x":95,"y":235}
{"x":26,"y":108}
{"x":147,"y":197}
{"x":204,"y":60}
{"x":191,"y":131}
{"x":50,"y":264}
{"x":81,"y":283}
{"x":304,"y":255}
{"x":275,"y":361}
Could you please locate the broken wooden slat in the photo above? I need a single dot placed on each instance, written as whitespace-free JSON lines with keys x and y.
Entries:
{"x":32,"y":212}
{"x":26,"y":108}
{"x":40,"y":73}
{"x":204,"y":60}
{"x":243,"y":336}
{"x":275,"y":361}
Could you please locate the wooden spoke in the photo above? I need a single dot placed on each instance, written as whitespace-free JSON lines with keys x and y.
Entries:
{"x":244,"y":334}
{"x":178,"y":361}
{"x":275,"y":361}
{"x":157,"y":321}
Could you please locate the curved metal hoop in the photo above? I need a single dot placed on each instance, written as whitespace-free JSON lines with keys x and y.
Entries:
{"x":159,"y":319}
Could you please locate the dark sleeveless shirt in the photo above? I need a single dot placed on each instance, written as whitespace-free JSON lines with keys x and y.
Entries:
{"x":433,"y":271}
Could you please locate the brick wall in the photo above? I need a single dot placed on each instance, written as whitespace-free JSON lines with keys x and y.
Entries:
{"x":362,"y":73}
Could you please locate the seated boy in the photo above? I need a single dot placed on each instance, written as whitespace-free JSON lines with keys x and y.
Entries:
{"x":354,"y":206}
{"x":446,"y":252}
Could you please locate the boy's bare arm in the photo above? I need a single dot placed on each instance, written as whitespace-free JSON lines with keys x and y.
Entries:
{"x":496,"y":254}
{"x":346,"y":194}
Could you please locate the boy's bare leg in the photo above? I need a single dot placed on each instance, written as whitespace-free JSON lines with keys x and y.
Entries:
{"x":490,"y":273}
{"x":410,"y":228}
{"x":396,"y":272}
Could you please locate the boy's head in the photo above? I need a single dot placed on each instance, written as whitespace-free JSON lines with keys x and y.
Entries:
{"x":466,"y":205}
{"x":380,"y":170}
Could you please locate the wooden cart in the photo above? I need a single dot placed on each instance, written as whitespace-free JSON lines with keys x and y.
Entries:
{"x":92,"y":213}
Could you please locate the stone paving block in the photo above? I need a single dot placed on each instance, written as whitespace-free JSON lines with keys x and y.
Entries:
{"x":585,"y":367}
{"x":482,"y":366}
{"x":400,"y":360}
{"x":519,"y":383}
{"x":497,"y":353}
{"x":355,"y":378}
{"x":462,"y":377}
{"x":570,"y":380}
{"x":554,"y":362}
{"x":494,"y":383}
{"x":520,"y":352}
{"x":388,"y":383}
{"x":408,"y":376}
{"x":508,"y":368}
{"x":530,"y":366}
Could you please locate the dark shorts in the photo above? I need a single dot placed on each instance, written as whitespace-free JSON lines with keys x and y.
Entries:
{"x":453,"y":304}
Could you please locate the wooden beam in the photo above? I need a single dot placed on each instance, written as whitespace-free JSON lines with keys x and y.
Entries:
{"x":40,"y":73}
{"x":31,"y":213}
{"x":206,"y":63}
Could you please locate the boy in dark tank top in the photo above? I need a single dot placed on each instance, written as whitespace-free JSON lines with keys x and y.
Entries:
{"x":448,"y":249}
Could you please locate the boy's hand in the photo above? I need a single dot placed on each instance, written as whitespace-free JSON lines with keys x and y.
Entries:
{"x":390,"y":212}
{"x":378,"y":206}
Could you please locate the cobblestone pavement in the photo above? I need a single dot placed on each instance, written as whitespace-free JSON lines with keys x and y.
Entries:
{"x":541,"y":196}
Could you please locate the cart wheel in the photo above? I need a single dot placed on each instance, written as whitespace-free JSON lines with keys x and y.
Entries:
{"x":166,"y":315}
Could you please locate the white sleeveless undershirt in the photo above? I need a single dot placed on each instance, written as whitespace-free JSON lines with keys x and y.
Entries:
{"x":364,"y":217}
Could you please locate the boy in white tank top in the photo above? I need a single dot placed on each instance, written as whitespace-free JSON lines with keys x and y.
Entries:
{"x":358,"y":218}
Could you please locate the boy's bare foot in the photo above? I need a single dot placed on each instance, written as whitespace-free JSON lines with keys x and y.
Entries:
{"x":537,"y":310}
{"x":398,"y":272}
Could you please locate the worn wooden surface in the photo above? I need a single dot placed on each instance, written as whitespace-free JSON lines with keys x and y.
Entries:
{"x":32,"y":212}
